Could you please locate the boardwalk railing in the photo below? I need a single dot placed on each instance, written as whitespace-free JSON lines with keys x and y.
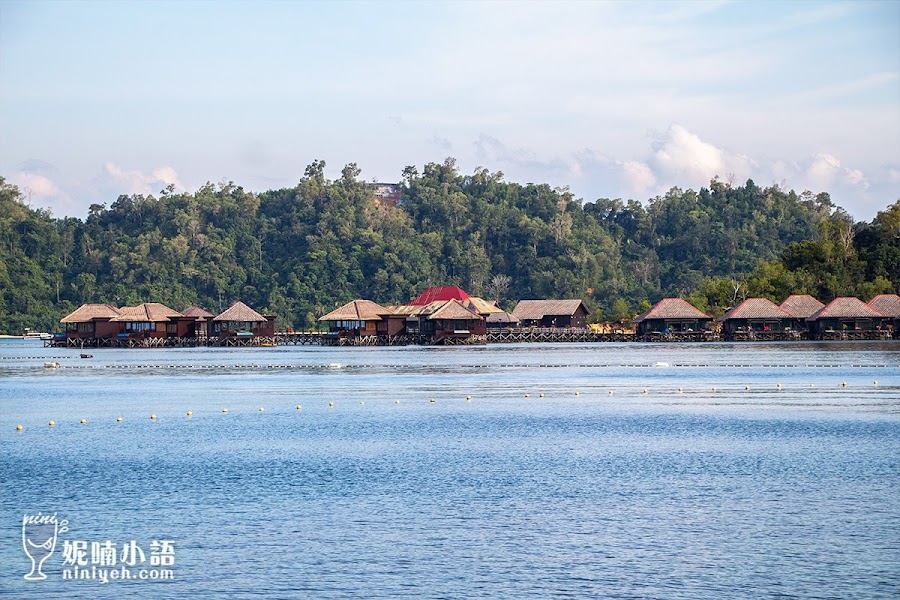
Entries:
{"x":500,"y":336}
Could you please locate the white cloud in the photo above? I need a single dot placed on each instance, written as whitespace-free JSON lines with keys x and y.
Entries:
{"x":681,"y":158}
{"x":42,"y":192}
{"x":639,"y":176}
{"x":115,"y":179}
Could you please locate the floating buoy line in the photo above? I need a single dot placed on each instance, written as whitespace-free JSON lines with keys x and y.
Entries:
{"x":779,"y":387}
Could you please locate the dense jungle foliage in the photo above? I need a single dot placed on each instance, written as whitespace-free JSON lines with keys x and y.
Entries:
{"x":300,"y":251}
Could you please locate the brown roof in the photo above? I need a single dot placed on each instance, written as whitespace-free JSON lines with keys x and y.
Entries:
{"x":452,"y":309}
{"x":672,"y":308}
{"x":801,"y":305}
{"x":845,"y":308}
{"x":501,"y":317}
{"x":357,"y":310}
{"x":756,"y":308}
{"x":240,"y":312}
{"x":197,"y":312}
{"x":481,"y":306}
{"x":88,"y":312}
{"x":538,"y":309}
{"x":403,"y":309}
{"x":886,"y":304}
{"x":148,"y":311}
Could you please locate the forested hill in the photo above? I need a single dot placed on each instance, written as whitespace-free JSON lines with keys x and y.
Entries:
{"x":298,"y":252}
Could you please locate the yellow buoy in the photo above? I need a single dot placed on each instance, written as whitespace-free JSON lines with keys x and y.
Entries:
{"x":844,"y":384}
{"x":152,"y":417}
{"x":261,"y":409}
{"x":118,"y":419}
{"x":644,"y":392}
{"x":224,"y":410}
{"x":83,"y":421}
{"x":680,"y":390}
{"x":778,"y":386}
{"x":540,"y":395}
{"x":527,"y":395}
{"x":812,"y":385}
{"x":299,"y":407}
{"x":470,"y":397}
{"x":51,"y":424}
{"x":714,"y":388}
{"x":577,"y":393}
{"x":396,"y":402}
{"x":18,"y":428}
{"x":875,"y":382}
{"x":362,"y":402}
{"x":747,"y":387}
{"x":432,"y":400}
{"x":610,"y":392}
{"x":190,"y":412}
{"x":331,"y":404}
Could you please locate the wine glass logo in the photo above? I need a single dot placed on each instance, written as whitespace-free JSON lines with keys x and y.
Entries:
{"x":39,"y":534}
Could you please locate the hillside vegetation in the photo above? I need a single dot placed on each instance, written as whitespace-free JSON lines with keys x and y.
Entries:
{"x":297,"y":252}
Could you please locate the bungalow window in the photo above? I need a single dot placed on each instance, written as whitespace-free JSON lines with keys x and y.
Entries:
{"x":84,"y":327}
{"x":171,"y":327}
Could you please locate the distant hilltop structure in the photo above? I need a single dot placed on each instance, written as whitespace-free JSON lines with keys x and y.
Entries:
{"x":386,"y":193}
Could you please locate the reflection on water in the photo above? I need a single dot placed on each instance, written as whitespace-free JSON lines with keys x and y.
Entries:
{"x":764,"y":475}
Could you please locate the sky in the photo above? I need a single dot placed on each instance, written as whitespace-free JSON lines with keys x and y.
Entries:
{"x":613,"y":99}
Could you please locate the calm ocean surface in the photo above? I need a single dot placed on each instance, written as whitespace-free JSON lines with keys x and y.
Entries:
{"x":582,"y":493}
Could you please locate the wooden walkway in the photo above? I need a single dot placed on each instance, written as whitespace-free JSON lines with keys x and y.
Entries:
{"x":505,"y":336}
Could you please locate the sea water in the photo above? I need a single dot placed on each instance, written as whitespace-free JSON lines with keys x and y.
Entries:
{"x":502,"y":471}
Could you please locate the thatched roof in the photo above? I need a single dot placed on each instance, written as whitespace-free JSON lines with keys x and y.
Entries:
{"x":452,"y":309}
{"x":801,"y":305}
{"x":357,"y":310}
{"x":502,"y":317}
{"x":672,"y":308}
{"x":240,"y":312}
{"x":538,"y":309}
{"x":198,"y":313}
{"x":434,"y":294}
{"x":481,"y":306}
{"x":152,"y":312}
{"x":845,"y":308}
{"x":403,"y":309}
{"x":886,"y":304}
{"x":88,"y":312}
{"x":756,"y":308}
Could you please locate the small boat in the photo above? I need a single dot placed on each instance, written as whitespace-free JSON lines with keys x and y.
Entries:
{"x":83,"y":355}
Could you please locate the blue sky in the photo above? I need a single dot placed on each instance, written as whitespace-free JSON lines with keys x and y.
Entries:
{"x":612,"y":99}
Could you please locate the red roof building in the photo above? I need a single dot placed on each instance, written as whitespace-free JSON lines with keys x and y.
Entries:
{"x":440,"y":293}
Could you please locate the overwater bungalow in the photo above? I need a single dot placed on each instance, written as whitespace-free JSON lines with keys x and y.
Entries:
{"x":801,"y":307}
{"x":90,"y":321}
{"x":756,"y":315}
{"x":202,"y":319}
{"x":889,"y":306}
{"x":152,"y":320}
{"x":569,"y":314}
{"x":361,"y":318}
{"x":442,"y":322}
{"x":845,"y":318}
{"x":242,"y":322}
{"x":672,"y":315}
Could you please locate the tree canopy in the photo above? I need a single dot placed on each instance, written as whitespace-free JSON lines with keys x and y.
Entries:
{"x":298,"y":252}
